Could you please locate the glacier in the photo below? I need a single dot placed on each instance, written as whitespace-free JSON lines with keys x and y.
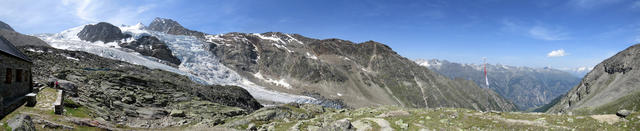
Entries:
{"x":198,"y":63}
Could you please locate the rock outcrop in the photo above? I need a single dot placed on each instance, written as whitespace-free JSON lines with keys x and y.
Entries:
{"x":611,"y":85}
{"x":151,"y":46}
{"x":102,"y":31}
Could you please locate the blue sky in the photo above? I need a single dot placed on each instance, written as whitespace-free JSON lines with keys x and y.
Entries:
{"x":580,"y":33}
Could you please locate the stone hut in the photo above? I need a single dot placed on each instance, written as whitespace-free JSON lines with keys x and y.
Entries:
{"x":15,"y":77}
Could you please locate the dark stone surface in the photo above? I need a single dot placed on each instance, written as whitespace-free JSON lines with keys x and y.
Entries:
{"x":151,"y":46}
{"x":102,"y":31}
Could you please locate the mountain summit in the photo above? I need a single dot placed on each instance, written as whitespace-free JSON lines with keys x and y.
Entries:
{"x":170,"y":26}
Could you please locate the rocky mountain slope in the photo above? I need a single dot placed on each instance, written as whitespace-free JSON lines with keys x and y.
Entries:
{"x":612,"y":85}
{"x":19,"y":39}
{"x":133,"y":95}
{"x":526,"y":87}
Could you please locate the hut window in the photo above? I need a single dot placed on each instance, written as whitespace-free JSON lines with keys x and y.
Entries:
{"x":26,"y":75}
{"x":8,"y":76}
{"x":18,"y":75}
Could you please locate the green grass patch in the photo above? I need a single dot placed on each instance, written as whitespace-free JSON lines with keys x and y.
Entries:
{"x":6,"y":127}
{"x":82,"y":112}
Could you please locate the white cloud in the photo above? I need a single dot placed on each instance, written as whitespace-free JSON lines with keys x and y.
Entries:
{"x":33,"y":16}
{"x":556,"y":53}
{"x":544,"y":33}
{"x":584,"y":68}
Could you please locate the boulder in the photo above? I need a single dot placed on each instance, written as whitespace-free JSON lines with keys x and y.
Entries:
{"x":623,"y":113}
{"x":21,"y":122}
{"x":340,"y":125}
{"x":177,"y":113}
{"x":69,"y":87}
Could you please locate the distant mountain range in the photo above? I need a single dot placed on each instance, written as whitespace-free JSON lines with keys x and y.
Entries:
{"x":526,"y":87}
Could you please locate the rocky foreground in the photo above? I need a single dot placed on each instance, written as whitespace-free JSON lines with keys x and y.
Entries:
{"x":314,"y":117}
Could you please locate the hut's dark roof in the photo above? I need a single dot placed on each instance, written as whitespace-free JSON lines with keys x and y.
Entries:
{"x":8,"y":48}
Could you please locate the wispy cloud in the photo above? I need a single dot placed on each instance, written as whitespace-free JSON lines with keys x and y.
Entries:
{"x":550,"y":33}
{"x":556,"y":53}
{"x":544,"y":33}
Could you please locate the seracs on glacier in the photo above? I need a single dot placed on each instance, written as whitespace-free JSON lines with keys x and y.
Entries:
{"x":198,"y":63}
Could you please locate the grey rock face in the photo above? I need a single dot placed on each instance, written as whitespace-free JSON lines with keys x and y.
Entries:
{"x":102,"y":31}
{"x":611,"y":85}
{"x":526,"y":87}
{"x":172,"y":27}
{"x":5,"y":26}
{"x":21,"y":122}
{"x":151,"y":46}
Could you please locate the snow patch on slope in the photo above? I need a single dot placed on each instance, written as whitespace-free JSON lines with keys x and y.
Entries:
{"x":280,"y":82}
{"x":312,"y":56}
{"x":278,"y":42}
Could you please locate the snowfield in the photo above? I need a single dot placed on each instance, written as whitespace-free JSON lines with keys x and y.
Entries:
{"x":198,"y":63}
